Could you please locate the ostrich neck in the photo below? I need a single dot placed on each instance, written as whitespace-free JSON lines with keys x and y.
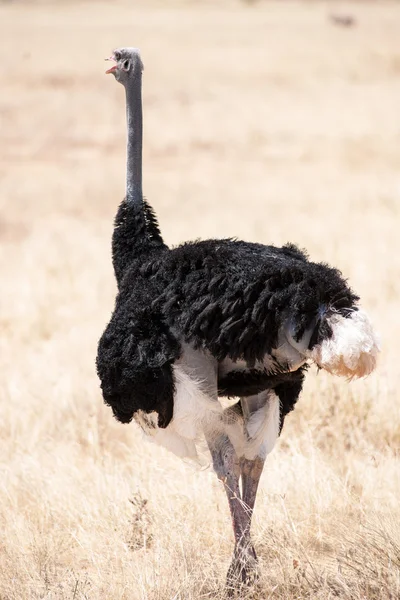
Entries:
{"x":134,"y":192}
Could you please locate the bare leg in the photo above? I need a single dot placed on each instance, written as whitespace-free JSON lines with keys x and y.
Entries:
{"x":227,"y":467}
{"x":261,"y":428}
{"x":259,"y":433}
{"x":251,"y":472}
{"x":243,"y":568}
{"x":226,"y":462}
{"x":261,"y":414}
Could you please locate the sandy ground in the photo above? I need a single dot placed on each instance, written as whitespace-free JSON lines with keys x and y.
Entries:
{"x":262,"y":121}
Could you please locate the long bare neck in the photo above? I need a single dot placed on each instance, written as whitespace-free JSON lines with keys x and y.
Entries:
{"x":134,"y":192}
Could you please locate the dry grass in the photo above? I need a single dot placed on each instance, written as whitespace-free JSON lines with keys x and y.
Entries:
{"x":262,"y":121}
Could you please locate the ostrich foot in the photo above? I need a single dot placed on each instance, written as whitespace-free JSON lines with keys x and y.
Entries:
{"x":243,"y":570}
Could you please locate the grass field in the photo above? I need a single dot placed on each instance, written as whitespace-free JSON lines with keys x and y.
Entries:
{"x":262,"y":121}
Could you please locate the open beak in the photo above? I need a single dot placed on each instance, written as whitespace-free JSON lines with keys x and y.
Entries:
{"x":113,"y":68}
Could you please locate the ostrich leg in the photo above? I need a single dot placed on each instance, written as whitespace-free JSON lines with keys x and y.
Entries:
{"x":251,"y":471}
{"x":261,"y":414}
{"x":227,"y":467}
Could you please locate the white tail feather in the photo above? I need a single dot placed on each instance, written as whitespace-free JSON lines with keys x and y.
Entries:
{"x":352,"y":350}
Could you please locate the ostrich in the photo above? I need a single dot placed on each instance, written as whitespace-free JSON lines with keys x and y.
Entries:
{"x":217,"y":318}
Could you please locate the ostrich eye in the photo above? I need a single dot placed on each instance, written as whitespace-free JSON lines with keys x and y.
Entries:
{"x":126,"y":64}
{"x":117,"y":55}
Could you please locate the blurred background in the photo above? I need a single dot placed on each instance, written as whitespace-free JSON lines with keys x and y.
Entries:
{"x":269,"y":121}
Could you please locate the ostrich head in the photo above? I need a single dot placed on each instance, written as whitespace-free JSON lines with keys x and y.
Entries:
{"x":127,"y":65}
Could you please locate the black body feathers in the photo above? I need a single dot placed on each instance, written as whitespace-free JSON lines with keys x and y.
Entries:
{"x":136,"y":234}
{"x":232,"y":297}
{"x":224,"y":296}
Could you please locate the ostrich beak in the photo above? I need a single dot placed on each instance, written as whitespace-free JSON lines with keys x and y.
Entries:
{"x":113,"y":68}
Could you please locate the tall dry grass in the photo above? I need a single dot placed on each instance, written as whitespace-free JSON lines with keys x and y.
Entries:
{"x":264,"y":122}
